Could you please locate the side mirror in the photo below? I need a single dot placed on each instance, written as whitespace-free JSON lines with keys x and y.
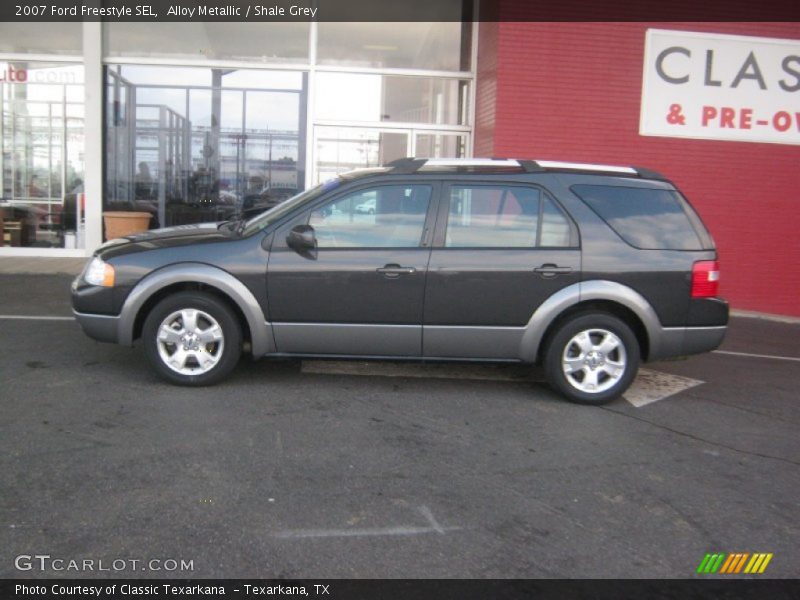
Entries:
{"x":302,"y":240}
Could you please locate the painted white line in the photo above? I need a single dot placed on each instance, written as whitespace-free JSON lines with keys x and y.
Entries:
{"x":34,"y":318}
{"x":329,"y":533}
{"x":770,"y":356}
{"x":426,"y":512}
{"x":652,"y":386}
{"x":435,"y":527}
{"x":474,"y":371}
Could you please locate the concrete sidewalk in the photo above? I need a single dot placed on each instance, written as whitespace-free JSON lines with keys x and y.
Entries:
{"x":37,"y":265}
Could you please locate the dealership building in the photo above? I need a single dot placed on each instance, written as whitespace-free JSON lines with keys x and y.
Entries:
{"x":191,"y":122}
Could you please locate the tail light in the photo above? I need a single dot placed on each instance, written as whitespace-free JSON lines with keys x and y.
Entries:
{"x":705,"y":279}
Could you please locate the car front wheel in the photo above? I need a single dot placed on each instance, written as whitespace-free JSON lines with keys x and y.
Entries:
{"x":592,"y":358}
{"x":192,"y":338}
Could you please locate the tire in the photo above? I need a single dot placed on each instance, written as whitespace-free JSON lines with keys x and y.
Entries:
{"x":599,"y":350}
{"x":202,"y":355}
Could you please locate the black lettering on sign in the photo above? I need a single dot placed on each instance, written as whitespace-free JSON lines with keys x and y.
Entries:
{"x":660,"y":64}
{"x":787,"y":66}
{"x":746,"y":73}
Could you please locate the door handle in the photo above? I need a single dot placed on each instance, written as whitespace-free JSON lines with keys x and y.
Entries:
{"x":549,"y":270}
{"x":393,"y":271}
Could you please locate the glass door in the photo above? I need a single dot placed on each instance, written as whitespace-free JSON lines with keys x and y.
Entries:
{"x":438,"y":144}
{"x":341,"y":149}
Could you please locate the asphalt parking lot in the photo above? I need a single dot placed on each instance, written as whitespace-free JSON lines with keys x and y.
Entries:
{"x":292,"y":470}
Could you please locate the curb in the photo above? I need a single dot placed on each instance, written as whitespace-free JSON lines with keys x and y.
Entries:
{"x":751,"y":314}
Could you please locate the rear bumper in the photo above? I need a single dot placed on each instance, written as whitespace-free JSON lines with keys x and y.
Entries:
{"x":682,"y":341}
{"x":707,"y":325}
{"x":104,"y":328}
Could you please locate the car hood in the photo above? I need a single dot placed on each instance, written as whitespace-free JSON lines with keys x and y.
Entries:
{"x":181,"y":235}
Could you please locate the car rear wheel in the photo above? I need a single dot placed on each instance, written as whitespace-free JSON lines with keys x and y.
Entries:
{"x":592,"y":358}
{"x":192,"y":338}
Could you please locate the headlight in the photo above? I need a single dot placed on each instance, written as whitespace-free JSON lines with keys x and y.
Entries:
{"x":99,"y":273}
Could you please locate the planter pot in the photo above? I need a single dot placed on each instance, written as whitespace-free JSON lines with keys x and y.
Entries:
{"x":121,"y":223}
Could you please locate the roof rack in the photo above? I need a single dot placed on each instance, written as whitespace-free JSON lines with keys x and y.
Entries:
{"x":405,"y":166}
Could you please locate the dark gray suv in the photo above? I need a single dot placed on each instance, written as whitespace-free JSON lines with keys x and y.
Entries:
{"x":586,"y":269}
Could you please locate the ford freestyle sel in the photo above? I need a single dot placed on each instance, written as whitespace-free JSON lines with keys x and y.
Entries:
{"x":585,"y":269}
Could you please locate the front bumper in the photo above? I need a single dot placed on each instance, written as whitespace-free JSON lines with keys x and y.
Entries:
{"x":104,"y":328}
{"x":92,"y":299}
{"x":88,"y":304}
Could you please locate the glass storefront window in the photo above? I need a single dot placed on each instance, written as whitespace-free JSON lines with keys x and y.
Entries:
{"x":212,"y":139}
{"x":190,"y":145}
{"x":435,"y":46}
{"x":252,"y":42}
{"x":41,"y":154}
{"x":396,"y":99}
{"x":42,"y":38}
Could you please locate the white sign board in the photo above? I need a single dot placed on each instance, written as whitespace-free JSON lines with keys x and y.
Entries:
{"x":721,"y":87}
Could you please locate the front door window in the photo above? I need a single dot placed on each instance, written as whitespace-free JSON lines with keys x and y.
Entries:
{"x":391,"y":216}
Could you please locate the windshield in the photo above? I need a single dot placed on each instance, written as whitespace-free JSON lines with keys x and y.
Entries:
{"x":268,"y":217}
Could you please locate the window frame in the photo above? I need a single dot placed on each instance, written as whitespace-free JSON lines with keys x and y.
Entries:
{"x":443,"y":216}
{"x":427,"y":225}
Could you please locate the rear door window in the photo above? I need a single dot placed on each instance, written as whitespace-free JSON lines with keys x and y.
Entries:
{"x":646,"y":218}
{"x":496,"y":216}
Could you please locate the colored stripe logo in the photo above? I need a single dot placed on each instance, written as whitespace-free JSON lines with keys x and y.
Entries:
{"x":738,"y":562}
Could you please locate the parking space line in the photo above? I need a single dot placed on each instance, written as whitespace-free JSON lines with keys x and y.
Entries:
{"x":426,"y":512}
{"x":749,"y":355}
{"x":433,"y":527}
{"x":651,"y":386}
{"x":34,"y":318}
{"x":329,"y":533}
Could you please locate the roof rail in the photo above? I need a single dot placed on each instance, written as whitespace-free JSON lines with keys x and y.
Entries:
{"x":405,"y":166}
{"x":650,"y":174}
{"x":471,"y":162}
{"x":555,"y":165}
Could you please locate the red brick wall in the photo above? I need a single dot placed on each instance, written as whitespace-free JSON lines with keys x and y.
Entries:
{"x":571,"y":91}
{"x":486,"y":90}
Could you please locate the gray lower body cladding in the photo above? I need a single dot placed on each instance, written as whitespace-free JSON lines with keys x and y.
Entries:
{"x":386,"y":340}
{"x":470,"y":343}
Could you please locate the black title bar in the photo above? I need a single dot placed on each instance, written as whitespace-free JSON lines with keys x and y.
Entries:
{"x":396,"y":10}
{"x":398,"y":589}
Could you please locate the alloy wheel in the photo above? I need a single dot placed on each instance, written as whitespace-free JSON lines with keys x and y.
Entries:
{"x":594,"y":360}
{"x":190,"y":341}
